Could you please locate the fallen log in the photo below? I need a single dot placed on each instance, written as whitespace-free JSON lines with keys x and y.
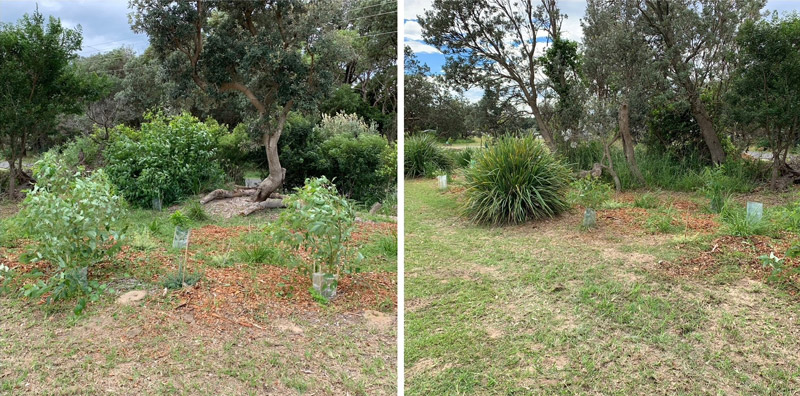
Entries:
{"x":270,"y":203}
{"x":223,"y":194}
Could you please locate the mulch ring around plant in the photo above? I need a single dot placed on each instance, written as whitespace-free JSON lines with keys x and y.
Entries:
{"x":748,"y":251}
{"x":239,"y":295}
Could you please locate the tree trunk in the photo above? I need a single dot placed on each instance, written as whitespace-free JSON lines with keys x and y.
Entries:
{"x":610,"y":166}
{"x":776,"y":164}
{"x":707,"y":129}
{"x":627,"y":141}
{"x":276,"y":173}
{"x":547,"y":135}
{"x":12,"y":178}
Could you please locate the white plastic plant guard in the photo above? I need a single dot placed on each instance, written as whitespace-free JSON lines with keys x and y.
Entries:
{"x":181,"y":237}
{"x":442,"y":182}
{"x":157,"y":204}
{"x":325,"y":284}
{"x":755,"y":210}
{"x":589,"y":218}
{"x":251,"y":182}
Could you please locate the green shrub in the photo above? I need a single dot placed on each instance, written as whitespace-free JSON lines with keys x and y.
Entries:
{"x":143,"y":240}
{"x":299,"y":148}
{"x":590,"y":192}
{"x":178,"y":219}
{"x":88,"y":145}
{"x":237,"y":153}
{"x":646,"y":201}
{"x":664,"y":170}
{"x":422,"y":153}
{"x":354,"y":156}
{"x":170,"y":158}
{"x":262,"y":253}
{"x":789,"y":217}
{"x":320,"y":221}
{"x":513,"y":181}
{"x":74,"y":218}
{"x":717,"y":187}
{"x":179,"y":279}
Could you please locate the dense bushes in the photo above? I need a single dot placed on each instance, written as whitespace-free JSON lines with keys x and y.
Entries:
{"x":74,"y":219}
{"x":424,"y":157}
{"x":168,"y":158}
{"x":513,"y":181}
{"x":354,"y":156}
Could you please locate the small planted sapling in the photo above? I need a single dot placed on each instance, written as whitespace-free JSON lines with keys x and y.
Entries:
{"x":591,"y":193}
{"x":75,"y":220}
{"x":320,"y":221}
{"x":181,"y":241}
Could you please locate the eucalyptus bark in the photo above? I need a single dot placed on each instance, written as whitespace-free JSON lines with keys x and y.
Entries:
{"x":610,"y":166}
{"x":627,"y":141}
{"x":707,"y":129}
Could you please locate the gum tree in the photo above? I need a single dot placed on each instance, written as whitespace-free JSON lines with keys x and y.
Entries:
{"x":765,"y":91}
{"x":616,"y":64}
{"x":276,"y":54}
{"x":39,"y":83}
{"x":692,"y":40}
{"x":495,"y":42}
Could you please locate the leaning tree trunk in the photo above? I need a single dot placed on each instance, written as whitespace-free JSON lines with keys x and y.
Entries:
{"x":707,"y":129}
{"x":544,"y":130}
{"x":627,"y":141}
{"x":276,"y":173}
{"x":610,"y":166}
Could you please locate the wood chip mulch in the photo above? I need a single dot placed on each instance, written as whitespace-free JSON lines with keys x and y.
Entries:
{"x":710,"y":261}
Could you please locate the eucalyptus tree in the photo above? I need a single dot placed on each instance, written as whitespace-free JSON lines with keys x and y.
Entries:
{"x":495,"y":42}
{"x":420,"y":94}
{"x":692,"y":40}
{"x":277,"y":54}
{"x":617,"y":64}
{"x":39,"y":83}
{"x":765,"y":91}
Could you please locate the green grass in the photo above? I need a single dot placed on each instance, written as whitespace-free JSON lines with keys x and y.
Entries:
{"x":544,"y":309}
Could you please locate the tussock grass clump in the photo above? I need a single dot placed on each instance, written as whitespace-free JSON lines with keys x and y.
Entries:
{"x":423,"y":156}
{"x":196,"y":212}
{"x":514,"y":181}
{"x":462,"y":158}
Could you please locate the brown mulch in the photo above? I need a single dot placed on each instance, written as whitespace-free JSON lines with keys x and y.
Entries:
{"x":214,"y":235}
{"x":245,"y":297}
{"x":710,"y":261}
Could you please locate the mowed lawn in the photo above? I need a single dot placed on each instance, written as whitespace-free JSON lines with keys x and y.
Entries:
{"x":546,"y":308}
{"x":249,"y":327}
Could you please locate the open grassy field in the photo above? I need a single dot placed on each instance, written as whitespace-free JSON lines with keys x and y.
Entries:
{"x":249,"y":327}
{"x":637,"y":305}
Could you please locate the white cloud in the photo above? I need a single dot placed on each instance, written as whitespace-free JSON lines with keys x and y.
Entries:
{"x":473,"y":95}
{"x":412,"y":30}
{"x":421,"y":48}
{"x":413,"y":8}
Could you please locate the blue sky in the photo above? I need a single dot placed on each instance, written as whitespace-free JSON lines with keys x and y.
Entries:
{"x":571,"y":29}
{"x":104,"y":23}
